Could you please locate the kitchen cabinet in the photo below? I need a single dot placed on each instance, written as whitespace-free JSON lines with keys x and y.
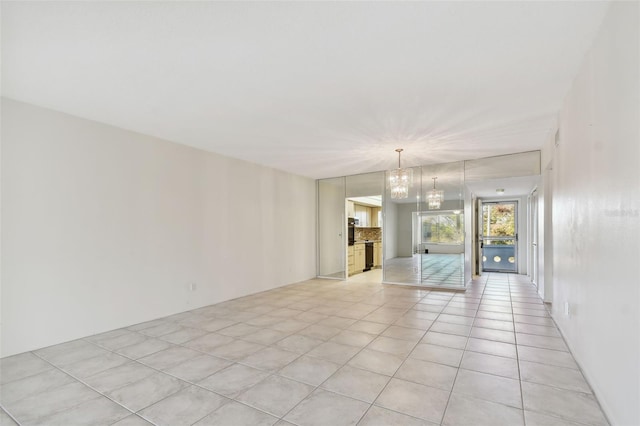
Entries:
{"x":351,"y":209}
{"x":375,"y":217}
{"x":377,"y":254}
{"x":351,"y":260}
{"x":359,"y":257}
{"x":363,"y":213}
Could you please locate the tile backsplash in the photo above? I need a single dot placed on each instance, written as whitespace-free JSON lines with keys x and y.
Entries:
{"x":368,"y":234}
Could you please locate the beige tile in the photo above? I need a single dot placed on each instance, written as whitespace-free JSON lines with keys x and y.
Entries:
{"x":265,"y":336}
{"x":492,"y":347}
{"x":299,"y":343}
{"x":496,"y":335}
{"x":334,"y":352}
{"x":378,"y":416}
{"x":456,"y":319}
{"x":118,"y":377}
{"x":378,"y":362}
{"x":169,"y":357}
{"x":270,"y":358}
{"x":323,"y":408}
{"x":147,"y":391}
{"x":233,"y":380}
{"x":558,"y":377}
{"x":415,"y":400}
{"x":196,"y":369}
{"x":573,"y":406}
{"x":368,"y":327}
{"x":439,"y":354}
{"x":276,"y":395}
{"x":184,"y":407}
{"x":33,"y":385}
{"x":236,"y":350}
{"x":68,"y":353}
{"x":547,"y":356}
{"x":119,"y":340}
{"x":427,"y":373}
{"x":321,"y":332}
{"x":98,"y":411}
{"x":144,"y":348}
{"x":6,"y":420}
{"x":132,"y":420}
{"x":236,"y":414}
{"x":490,"y":364}
{"x":545,"y":342}
{"x":183,"y":335}
{"x":20,"y":366}
{"x":404,"y":333}
{"x":398,"y":347}
{"x":50,"y":402}
{"x":493,"y":324}
{"x":356,"y":383}
{"x":353,"y":338}
{"x":465,"y":410}
{"x":338,"y":322}
{"x":442,"y":339}
{"x":538,"y":419}
{"x":488,"y":387}
{"x":312,"y":371}
{"x":445,"y":327}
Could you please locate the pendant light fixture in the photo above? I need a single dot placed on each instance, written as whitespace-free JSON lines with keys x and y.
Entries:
{"x":434,"y":197}
{"x":400,"y":180}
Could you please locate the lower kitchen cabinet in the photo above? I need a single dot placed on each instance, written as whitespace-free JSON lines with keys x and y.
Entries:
{"x":351,"y":260}
{"x":377,"y":254}
{"x":359,"y":257}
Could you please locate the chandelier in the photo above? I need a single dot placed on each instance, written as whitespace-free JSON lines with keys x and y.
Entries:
{"x":434,"y":197}
{"x":400,"y":180}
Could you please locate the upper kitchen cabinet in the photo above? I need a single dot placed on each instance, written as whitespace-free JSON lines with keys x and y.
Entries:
{"x":351,"y":209}
{"x":376,"y":219}
{"x":363,"y":213}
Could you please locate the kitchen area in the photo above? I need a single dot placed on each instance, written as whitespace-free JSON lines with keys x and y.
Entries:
{"x":364,"y":224}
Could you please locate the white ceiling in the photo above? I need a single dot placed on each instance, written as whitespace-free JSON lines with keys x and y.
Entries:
{"x":315,"y":88}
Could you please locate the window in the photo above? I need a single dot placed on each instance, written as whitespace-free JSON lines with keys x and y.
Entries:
{"x":442,"y":228}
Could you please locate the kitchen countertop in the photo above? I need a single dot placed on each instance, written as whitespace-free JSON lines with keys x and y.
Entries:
{"x":367,"y":241}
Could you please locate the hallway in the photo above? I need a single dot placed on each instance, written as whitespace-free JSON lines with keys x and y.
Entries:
{"x":320,"y":352}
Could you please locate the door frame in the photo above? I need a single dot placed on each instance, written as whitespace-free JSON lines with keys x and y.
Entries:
{"x":533,"y":237}
{"x":480,"y":224}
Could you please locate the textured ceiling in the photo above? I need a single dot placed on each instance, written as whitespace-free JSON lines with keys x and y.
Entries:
{"x":315,"y":88}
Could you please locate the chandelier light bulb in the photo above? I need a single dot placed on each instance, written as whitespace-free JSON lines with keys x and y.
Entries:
{"x":434,"y":197}
{"x":400,"y":180}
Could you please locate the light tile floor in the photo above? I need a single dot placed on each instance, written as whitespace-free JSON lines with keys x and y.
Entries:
{"x":320,"y":352}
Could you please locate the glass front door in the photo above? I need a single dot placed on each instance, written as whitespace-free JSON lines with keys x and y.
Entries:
{"x":499,"y":236}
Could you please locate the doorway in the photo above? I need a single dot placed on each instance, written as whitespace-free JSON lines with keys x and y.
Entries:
{"x":499,"y":237}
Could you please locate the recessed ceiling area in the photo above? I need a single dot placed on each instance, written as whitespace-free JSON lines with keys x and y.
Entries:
{"x":318,"y":89}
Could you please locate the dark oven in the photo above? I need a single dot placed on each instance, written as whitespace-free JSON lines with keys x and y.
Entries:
{"x":352,"y":230}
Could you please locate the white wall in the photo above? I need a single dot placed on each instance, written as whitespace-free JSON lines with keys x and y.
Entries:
{"x":103,"y":228}
{"x":596,"y":216}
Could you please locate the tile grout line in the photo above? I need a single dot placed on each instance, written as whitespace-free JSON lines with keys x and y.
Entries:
{"x":444,"y":413}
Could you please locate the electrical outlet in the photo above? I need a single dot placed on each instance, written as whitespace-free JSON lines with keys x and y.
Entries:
{"x":192,"y":286}
{"x":566,"y":308}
